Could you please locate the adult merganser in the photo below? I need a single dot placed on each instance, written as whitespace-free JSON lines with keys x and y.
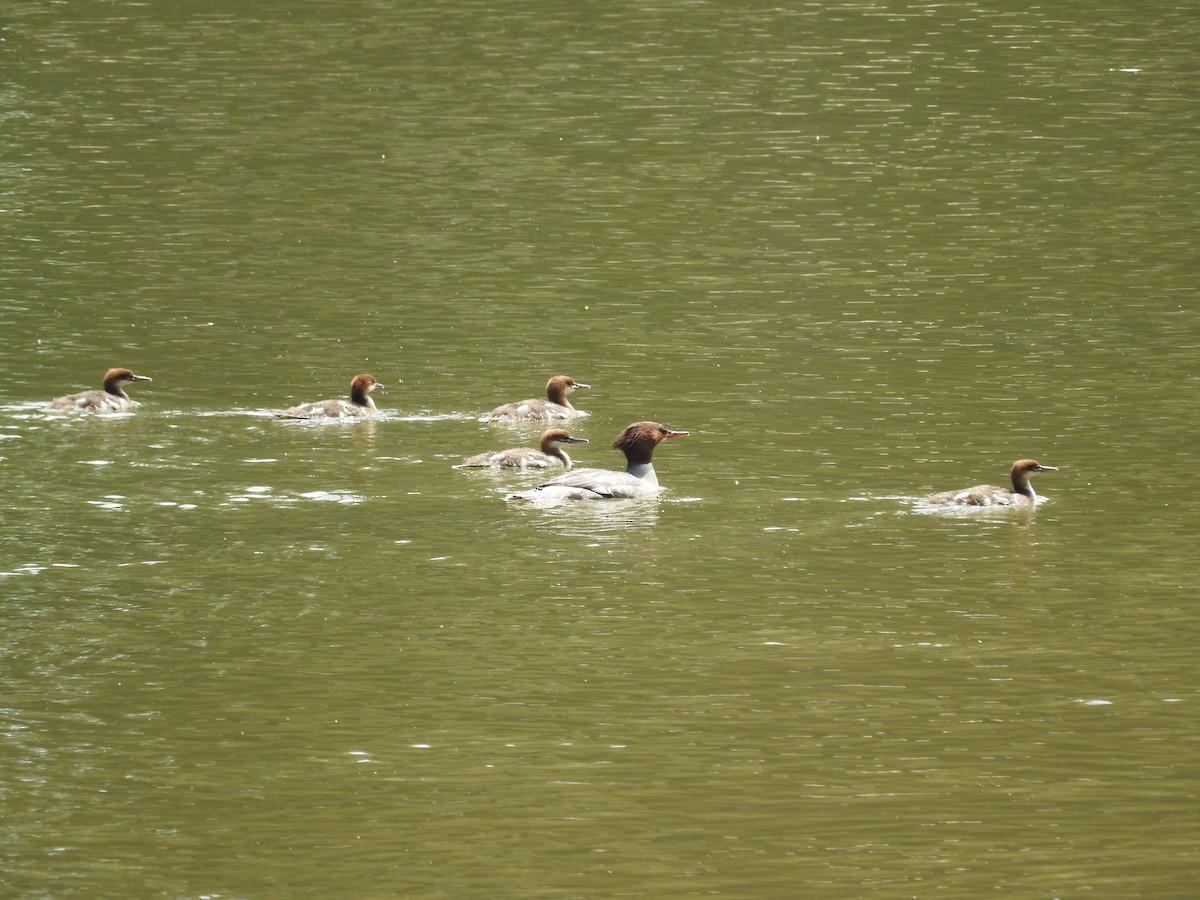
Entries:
{"x":637,"y":442}
{"x":1021,"y":493}
{"x":550,"y":456}
{"x":112,"y":399}
{"x":359,"y":404}
{"x":555,"y":406}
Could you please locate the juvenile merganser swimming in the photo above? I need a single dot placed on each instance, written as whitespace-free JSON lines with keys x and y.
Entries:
{"x":550,"y":456}
{"x":112,"y":399}
{"x":637,"y":442}
{"x":359,"y":404}
{"x":555,"y":406}
{"x":1021,"y":493}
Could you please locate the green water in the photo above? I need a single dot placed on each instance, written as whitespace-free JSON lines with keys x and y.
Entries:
{"x":861,"y":252}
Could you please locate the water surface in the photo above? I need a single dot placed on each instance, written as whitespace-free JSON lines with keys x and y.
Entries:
{"x":862,"y":252}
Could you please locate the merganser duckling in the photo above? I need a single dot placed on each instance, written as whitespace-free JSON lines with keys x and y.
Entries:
{"x":112,"y":399}
{"x":549,"y":456}
{"x":1021,"y":493}
{"x":637,"y":442}
{"x":555,"y":406}
{"x":359,"y":404}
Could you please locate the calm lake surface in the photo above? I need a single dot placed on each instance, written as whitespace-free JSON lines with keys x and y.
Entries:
{"x":861,"y":251}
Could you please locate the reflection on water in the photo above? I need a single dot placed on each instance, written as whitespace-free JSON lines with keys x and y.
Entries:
{"x":921,"y":506}
{"x":598,"y":520}
{"x":266,"y":493}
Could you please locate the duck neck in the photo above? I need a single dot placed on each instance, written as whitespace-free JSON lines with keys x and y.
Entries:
{"x":559,"y":395}
{"x":642,"y":470}
{"x":1022,"y":485}
{"x":114,"y":387}
{"x":360,"y":396}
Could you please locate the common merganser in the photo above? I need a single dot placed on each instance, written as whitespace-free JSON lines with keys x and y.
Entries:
{"x":359,"y":404}
{"x":637,"y":442}
{"x":550,"y":456}
{"x":555,"y":406}
{"x":1021,"y":493}
{"x":112,"y":399}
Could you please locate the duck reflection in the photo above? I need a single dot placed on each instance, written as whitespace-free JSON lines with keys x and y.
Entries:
{"x":612,"y":520}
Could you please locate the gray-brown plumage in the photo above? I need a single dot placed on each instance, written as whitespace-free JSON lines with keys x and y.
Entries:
{"x":112,"y":399}
{"x":359,"y":404}
{"x":1020,"y":494}
{"x":555,"y":406}
{"x":550,"y":456}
